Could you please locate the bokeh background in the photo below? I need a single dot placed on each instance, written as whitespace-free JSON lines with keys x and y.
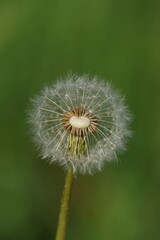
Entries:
{"x":117,"y":40}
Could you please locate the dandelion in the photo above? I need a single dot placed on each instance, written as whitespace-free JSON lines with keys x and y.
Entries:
{"x":80,"y":123}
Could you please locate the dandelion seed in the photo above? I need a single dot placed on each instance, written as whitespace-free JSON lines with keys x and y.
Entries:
{"x":80,"y":123}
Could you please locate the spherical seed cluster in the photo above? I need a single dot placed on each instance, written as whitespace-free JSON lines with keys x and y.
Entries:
{"x":80,"y":123}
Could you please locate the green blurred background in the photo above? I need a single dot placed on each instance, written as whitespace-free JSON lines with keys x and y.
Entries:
{"x":117,"y":40}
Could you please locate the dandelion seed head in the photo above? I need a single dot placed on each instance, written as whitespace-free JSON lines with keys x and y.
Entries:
{"x":80,"y":123}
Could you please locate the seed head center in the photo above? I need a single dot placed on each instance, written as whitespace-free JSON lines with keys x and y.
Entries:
{"x":80,"y":122}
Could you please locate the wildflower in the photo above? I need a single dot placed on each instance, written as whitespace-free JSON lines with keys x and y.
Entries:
{"x":80,"y":123}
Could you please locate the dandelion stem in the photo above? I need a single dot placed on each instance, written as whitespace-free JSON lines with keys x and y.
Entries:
{"x":62,"y":221}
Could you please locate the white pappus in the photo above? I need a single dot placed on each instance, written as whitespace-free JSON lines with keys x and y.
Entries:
{"x":80,"y":123}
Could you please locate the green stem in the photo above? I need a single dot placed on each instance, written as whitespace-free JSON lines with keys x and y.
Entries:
{"x":62,"y":221}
